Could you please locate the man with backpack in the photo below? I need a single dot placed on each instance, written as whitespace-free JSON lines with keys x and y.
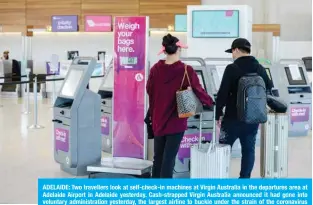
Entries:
{"x":242,"y":92}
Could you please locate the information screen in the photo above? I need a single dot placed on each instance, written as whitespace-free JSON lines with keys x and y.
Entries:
{"x":201,"y":78}
{"x":215,"y":24}
{"x":181,"y":23}
{"x":71,"y":82}
{"x":295,"y":75}
{"x":128,"y":60}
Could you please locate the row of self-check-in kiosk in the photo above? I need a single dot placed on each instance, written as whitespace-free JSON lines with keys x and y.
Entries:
{"x":83,"y":119}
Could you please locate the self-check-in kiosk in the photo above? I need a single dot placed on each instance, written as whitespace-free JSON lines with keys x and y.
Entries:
{"x":299,"y":96}
{"x":106,"y":93}
{"x":76,"y":120}
{"x":216,"y":68}
{"x":182,"y":165}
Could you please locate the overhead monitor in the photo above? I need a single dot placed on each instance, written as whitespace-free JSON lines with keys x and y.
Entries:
{"x":295,"y":75}
{"x":201,"y":78}
{"x":71,"y":82}
{"x":180,"y":23}
{"x":215,"y":24}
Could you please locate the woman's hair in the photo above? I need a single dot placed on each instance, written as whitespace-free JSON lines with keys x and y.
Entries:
{"x":169,"y":43}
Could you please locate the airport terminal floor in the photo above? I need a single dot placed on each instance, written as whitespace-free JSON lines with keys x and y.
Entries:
{"x":26,"y":155}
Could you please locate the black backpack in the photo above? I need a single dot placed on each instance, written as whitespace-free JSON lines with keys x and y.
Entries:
{"x":252,"y":99}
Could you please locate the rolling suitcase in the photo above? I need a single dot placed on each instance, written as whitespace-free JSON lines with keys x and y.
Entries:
{"x":274,"y":146}
{"x":210,"y":160}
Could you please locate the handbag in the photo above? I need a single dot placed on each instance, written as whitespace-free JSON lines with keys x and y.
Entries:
{"x":188,"y":103}
{"x":276,"y":104}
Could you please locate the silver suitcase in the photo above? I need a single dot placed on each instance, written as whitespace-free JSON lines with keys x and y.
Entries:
{"x":274,"y":146}
{"x":210,"y":160}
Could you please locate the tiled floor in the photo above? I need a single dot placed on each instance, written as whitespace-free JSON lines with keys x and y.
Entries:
{"x":26,"y":155}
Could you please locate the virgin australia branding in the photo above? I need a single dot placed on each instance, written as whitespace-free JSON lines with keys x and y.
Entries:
{"x":60,"y":135}
{"x":91,"y":23}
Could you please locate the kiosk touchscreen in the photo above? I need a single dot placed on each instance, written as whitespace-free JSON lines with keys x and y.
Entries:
{"x":216,"y":68}
{"x":275,"y":91}
{"x":182,"y":164}
{"x":300,"y":99}
{"x":76,"y":120}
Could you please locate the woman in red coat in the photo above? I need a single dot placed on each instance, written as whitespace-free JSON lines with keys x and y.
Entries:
{"x":164,"y":81}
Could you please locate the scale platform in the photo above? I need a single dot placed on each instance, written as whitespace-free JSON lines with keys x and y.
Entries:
{"x":121,"y":166}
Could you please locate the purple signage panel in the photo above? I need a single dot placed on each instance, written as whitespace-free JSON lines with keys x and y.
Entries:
{"x":188,"y":140}
{"x":130,"y":38}
{"x":61,"y":139}
{"x":51,"y":71}
{"x":299,"y":114}
{"x":64,"y":23}
{"x":105,"y":125}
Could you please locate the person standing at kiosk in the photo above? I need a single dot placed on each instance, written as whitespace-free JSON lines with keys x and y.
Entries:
{"x":164,"y":81}
{"x":231,"y":127}
{"x":5,"y":55}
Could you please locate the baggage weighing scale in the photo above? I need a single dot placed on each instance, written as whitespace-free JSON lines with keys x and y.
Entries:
{"x":216,"y":68}
{"x":182,"y":164}
{"x":299,"y":96}
{"x":76,"y":120}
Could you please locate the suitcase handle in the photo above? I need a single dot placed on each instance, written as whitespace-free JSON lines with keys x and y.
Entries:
{"x":214,"y":141}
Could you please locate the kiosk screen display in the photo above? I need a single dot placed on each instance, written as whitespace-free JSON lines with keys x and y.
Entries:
{"x":201,"y":78}
{"x":215,"y":24}
{"x":128,"y":60}
{"x":295,"y":75}
{"x":269,"y":73}
{"x":71,"y":82}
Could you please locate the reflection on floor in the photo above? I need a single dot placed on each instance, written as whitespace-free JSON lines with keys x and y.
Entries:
{"x":26,"y":155}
